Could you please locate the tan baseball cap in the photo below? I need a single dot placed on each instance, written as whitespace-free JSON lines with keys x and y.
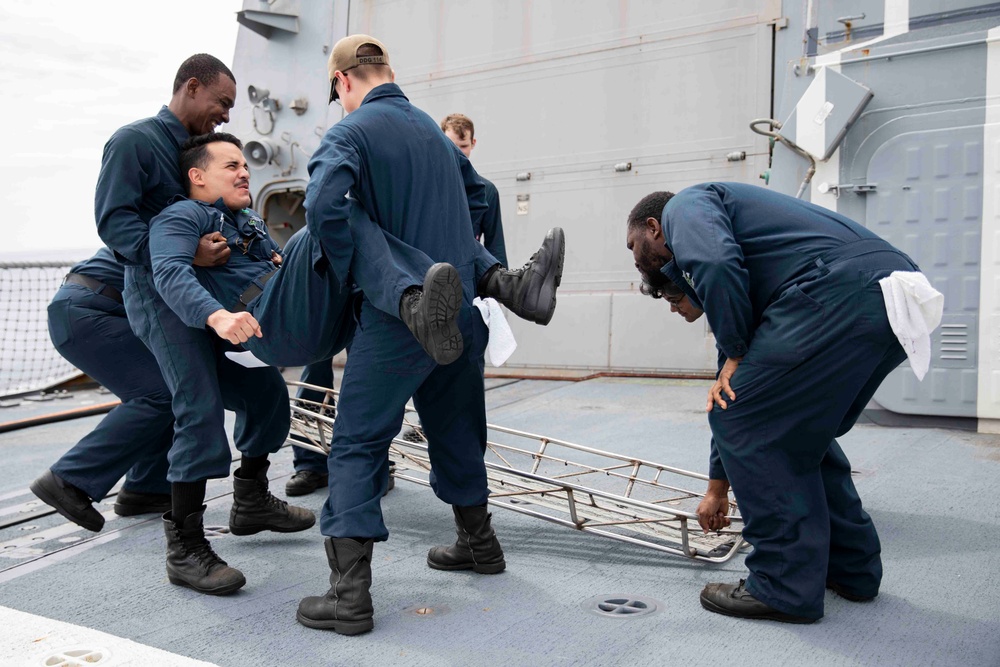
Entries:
{"x":345,"y":56}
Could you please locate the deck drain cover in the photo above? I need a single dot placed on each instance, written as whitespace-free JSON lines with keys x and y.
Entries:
{"x":77,"y":657}
{"x":621,"y":606}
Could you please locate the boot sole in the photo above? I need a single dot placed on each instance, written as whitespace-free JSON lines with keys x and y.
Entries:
{"x":770,"y":616}
{"x":340,"y":627}
{"x":302,"y":490}
{"x":306,"y":489}
{"x":221,"y":590}
{"x":553,"y":279}
{"x":493,"y":568}
{"x":295,"y":493}
{"x":443,"y":299}
{"x":50,"y":500}
{"x":253,"y":530}
{"x":135,"y":510}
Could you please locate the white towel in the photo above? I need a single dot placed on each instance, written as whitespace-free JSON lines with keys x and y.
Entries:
{"x":914,"y":309}
{"x":501,"y":344}
{"x":246,"y":358}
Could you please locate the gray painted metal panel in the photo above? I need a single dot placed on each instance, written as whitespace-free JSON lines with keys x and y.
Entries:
{"x":566,"y":91}
{"x":670,"y":342}
{"x":933,"y":91}
{"x":862,"y":15}
{"x":821,"y":117}
{"x":929,"y":204}
{"x":291,"y":67}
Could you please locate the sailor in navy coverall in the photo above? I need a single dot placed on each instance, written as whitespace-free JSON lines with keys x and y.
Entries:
{"x":489,"y":227}
{"x":427,"y":208}
{"x":298,"y":313}
{"x":791,"y":293}
{"x":88,"y":326}
{"x":139,"y":175}
{"x":416,"y":186}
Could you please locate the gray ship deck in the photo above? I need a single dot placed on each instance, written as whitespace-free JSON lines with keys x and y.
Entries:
{"x":931,"y":491}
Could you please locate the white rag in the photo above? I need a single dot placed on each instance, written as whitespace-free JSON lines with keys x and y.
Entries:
{"x":246,"y":359}
{"x":501,"y":343}
{"x":914,"y":309}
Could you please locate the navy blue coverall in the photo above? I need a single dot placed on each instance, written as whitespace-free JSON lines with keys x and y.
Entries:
{"x":793,"y":289}
{"x":88,"y":326}
{"x":304,"y":315}
{"x":489,"y":227}
{"x":139,"y":176}
{"x":416,"y":185}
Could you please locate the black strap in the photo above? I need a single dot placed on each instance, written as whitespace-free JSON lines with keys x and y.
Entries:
{"x":256,"y":289}
{"x":96,"y":285}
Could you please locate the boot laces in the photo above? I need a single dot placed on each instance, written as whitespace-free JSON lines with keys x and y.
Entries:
{"x":527,"y":265}
{"x":203,"y":552}
{"x":268,"y":499}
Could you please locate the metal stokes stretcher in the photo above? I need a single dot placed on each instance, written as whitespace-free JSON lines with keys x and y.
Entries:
{"x":598,"y":492}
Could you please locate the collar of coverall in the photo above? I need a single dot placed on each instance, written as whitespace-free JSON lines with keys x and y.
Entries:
{"x":384,"y":90}
{"x":173,"y":125}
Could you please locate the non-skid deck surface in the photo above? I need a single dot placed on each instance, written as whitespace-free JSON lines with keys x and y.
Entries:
{"x":929,"y":491}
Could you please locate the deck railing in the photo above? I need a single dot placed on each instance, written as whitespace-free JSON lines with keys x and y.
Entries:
{"x":28,"y":360}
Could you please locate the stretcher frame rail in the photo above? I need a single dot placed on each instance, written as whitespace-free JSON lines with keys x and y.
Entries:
{"x":611,"y":495}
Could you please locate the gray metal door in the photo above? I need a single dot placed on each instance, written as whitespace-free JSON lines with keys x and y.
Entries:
{"x":928,"y":202}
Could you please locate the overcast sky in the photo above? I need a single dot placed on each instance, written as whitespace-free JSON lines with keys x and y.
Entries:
{"x":73,"y":72}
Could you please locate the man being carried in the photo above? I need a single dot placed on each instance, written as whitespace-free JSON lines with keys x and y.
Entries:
{"x":303,"y":308}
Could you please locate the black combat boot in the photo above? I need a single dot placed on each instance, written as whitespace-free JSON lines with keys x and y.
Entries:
{"x":68,"y":500}
{"x":191,"y":561}
{"x":255,"y":509}
{"x":476,"y":549}
{"x":530,"y":292}
{"x":430,"y":314}
{"x":347,"y":607}
{"x":305,"y":482}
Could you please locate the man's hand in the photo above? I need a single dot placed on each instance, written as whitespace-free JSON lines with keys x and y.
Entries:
{"x":275,"y":258}
{"x":235,"y":327}
{"x":721,"y":388}
{"x":713,"y":510}
{"x":212,"y":251}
